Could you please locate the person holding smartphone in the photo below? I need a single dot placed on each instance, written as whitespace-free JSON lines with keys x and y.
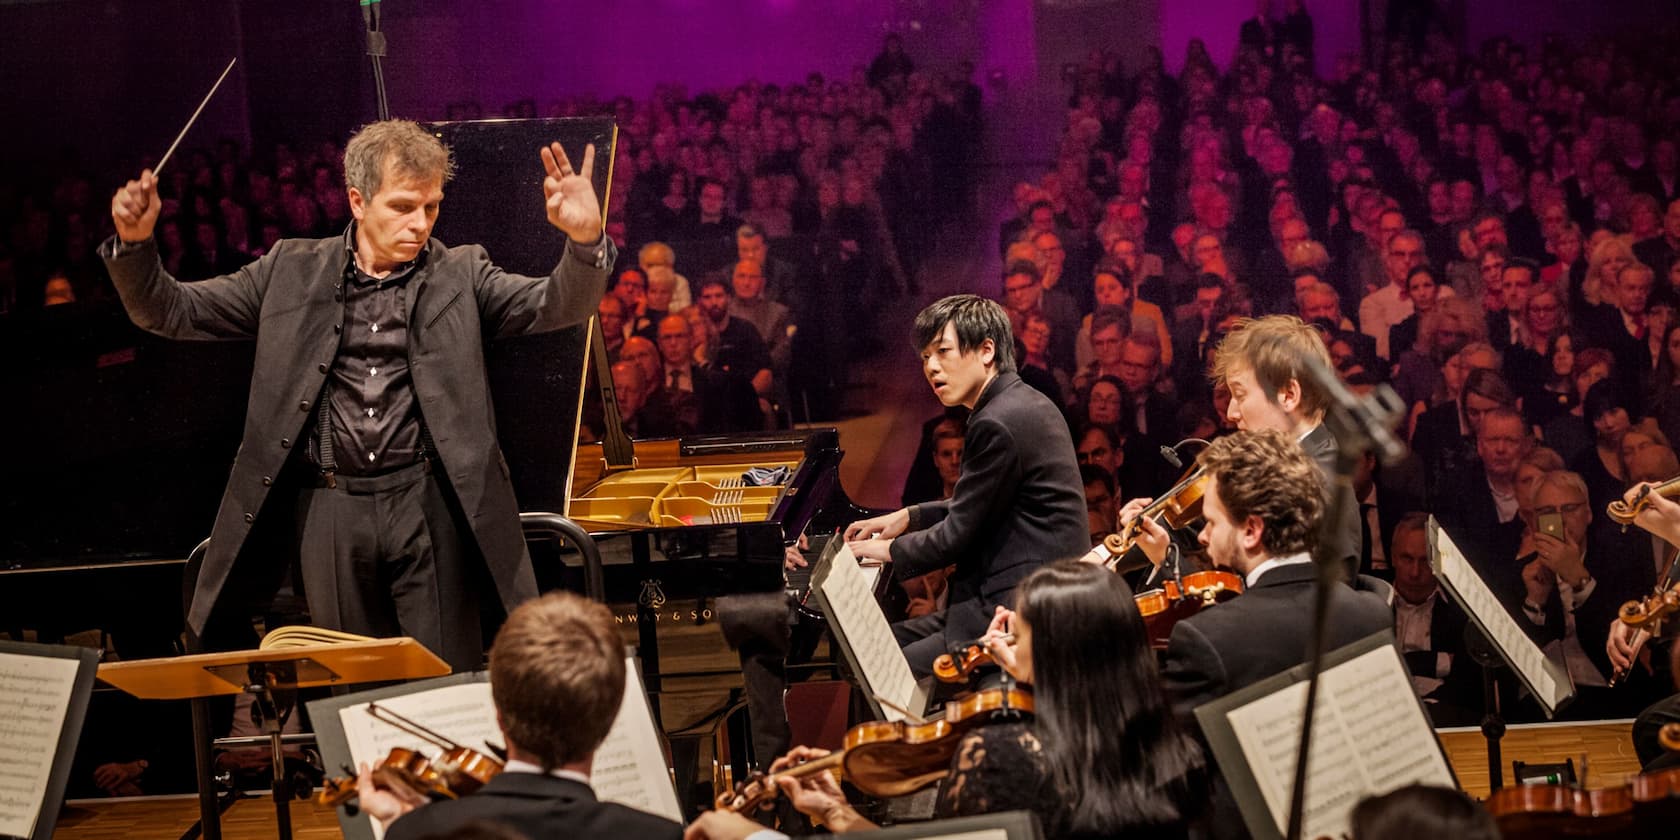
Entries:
{"x":1576,"y":575}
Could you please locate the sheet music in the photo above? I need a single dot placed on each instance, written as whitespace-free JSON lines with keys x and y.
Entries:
{"x":1462,"y":581}
{"x":629,"y":765}
{"x":1364,"y":743}
{"x":464,"y":714}
{"x":35,"y":692}
{"x":852,"y":607}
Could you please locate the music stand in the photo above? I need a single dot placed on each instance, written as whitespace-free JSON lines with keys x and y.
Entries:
{"x":272,"y":678}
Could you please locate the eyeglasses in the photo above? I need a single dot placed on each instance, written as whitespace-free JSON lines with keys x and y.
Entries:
{"x":1568,"y":508}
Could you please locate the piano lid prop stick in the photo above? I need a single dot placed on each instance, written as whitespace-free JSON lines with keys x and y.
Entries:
{"x":194,"y":118}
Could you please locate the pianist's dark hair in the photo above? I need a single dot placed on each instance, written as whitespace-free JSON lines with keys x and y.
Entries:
{"x":1116,"y":751}
{"x":975,"y":319}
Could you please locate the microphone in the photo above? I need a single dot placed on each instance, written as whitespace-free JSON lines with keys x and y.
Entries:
{"x":1171,"y":455}
{"x":1363,"y":423}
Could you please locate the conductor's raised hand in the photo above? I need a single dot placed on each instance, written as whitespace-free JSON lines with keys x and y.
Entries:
{"x":135,"y":208}
{"x":570,"y":196}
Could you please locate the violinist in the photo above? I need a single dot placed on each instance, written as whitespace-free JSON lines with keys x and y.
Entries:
{"x":1263,"y":361}
{"x":1660,"y":517}
{"x":557,"y":679}
{"x":1103,"y":755}
{"x":1262,"y":508}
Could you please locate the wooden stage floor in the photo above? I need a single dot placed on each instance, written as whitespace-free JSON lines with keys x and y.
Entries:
{"x":1609,"y":754}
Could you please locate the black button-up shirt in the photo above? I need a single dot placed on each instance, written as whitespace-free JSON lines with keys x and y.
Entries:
{"x":370,"y":392}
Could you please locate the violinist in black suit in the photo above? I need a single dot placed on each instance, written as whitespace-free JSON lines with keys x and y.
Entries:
{"x":1262,"y":362}
{"x":1262,"y":511}
{"x":557,"y":678}
{"x":1019,"y":502}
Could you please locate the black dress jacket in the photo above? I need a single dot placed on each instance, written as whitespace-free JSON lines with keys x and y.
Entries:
{"x":536,"y":806}
{"x":291,"y":304}
{"x":1342,"y":538}
{"x":1018,"y":504}
{"x":1263,"y":632}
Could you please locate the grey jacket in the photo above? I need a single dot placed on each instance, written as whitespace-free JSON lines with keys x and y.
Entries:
{"x":291,"y":303}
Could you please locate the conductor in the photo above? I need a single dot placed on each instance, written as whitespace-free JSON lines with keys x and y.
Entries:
{"x":369,"y":465}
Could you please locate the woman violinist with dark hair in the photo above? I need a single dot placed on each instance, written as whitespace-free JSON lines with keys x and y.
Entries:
{"x":1103,"y":756}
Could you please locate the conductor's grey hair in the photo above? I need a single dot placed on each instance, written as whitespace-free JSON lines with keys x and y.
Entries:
{"x":410,"y":149}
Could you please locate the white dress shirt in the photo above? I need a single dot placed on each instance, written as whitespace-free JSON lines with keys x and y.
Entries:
{"x":1413,"y":625}
{"x":1381,"y":310}
{"x":1271,"y":563}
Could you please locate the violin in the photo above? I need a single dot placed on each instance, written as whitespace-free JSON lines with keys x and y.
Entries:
{"x":1625,"y":512}
{"x":1646,"y":615}
{"x":1526,"y":811}
{"x":884,"y":759}
{"x":1179,"y":507}
{"x":957,"y":667}
{"x":1182,"y":597}
{"x":455,"y":772}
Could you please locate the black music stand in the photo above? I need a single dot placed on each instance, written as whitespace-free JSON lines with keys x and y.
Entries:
{"x":69,"y":729}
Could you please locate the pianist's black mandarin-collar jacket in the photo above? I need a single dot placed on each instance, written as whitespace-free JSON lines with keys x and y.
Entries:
{"x":1019,"y":503}
{"x":290,"y":303}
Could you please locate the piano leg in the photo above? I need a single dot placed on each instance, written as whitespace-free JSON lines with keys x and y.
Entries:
{"x":647,"y":648}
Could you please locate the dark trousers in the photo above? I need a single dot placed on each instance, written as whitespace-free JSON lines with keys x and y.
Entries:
{"x":388,"y":556}
{"x":923,"y":640}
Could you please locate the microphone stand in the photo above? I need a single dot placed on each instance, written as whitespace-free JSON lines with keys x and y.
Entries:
{"x":1360,"y":425}
{"x":376,"y":54}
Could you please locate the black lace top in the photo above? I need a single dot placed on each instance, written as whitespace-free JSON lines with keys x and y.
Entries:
{"x":1003,"y":767}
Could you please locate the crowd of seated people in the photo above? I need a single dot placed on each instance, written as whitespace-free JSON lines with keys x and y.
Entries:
{"x":1494,"y":233}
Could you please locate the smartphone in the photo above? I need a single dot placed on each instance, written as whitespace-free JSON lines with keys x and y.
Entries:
{"x":1550,"y":523}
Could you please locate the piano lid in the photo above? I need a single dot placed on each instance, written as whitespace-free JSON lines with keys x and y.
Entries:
{"x":496,"y":200}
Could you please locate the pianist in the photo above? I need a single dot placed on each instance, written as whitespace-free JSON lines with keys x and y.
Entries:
{"x":1018,"y":502}
{"x":369,"y":413}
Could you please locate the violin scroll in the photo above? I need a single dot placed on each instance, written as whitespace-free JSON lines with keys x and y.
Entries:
{"x":1624,"y":512}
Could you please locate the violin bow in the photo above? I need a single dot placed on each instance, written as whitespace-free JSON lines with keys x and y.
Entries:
{"x":387,"y":716}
